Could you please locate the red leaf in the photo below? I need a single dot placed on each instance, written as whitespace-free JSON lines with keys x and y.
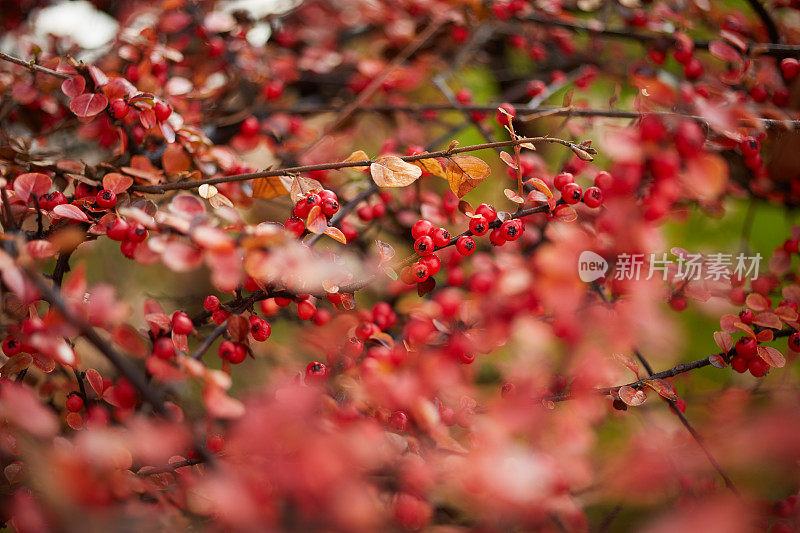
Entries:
{"x":316,"y":222}
{"x":73,"y":86}
{"x":88,"y":104}
{"x":717,"y":361}
{"x":723,"y":340}
{"x":116,"y":182}
{"x":565,"y":213}
{"x":767,"y":320}
{"x":756,"y":302}
{"x":31,"y":184}
{"x":627,"y":361}
{"x":631,"y":396}
{"x":70,"y":211}
{"x":663,"y":388}
{"x":95,"y":381}
{"x":772,"y":356}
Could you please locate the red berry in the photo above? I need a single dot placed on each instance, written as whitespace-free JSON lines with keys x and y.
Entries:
{"x":11,"y":347}
{"x":250,"y":127}
{"x":330,"y":206}
{"x":794,"y":342}
{"x":106,"y":199}
{"x":327,"y":194}
{"x":211,"y":303}
{"x":478,"y":225}
{"x":487,"y":211}
{"x":74,"y":403}
{"x":749,"y":146}
{"x":378,"y":211}
{"x":316,"y":371}
{"x":571,"y":193}
{"x":678,"y":303}
{"x":259,"y":328}
{"x":295,"y":226}
{"x":273,"y":90}
{"x":433,"y":263}
{"x":603,"y":180}
{"x":353,"y":347}
{"x":747,"y":316}
{"x":790,"y":67}
{"x":593,"y":197}
{"x":562,"y":179}
{"x":464,"y":96}
{"x":441,"y":237}
{"x":137,"y":232}
{"x":511,"y":229}
{"x":399,"y":422}
{"x":746,"y":348}
{"x":465,"y":245}
{"x":505,"y":118}
{"x":419,"y":272}
{"x":118,"y":230}
{"x":181,"y":323}
{"x":219,"y":316}
{"x":535,"y":88}
{"x":364,"y":213}
{"x":215,"y":443}
{"x":163,"y":348}
{"x":128,"y":248}
{"x":306,"y":310}
{"x":162,"y":111}
{"x":238,"y":355}
{"x":759,"y":94}
{"x":421,"y":228}
{"x":226,"y":349}
{"x":424,"y":245}
{"x":322,"y":317}
{"x":496,"y":237}
{"x":791,"y":246}
{"x":119,"y":108}
{"x":693,"y":69}
{"x":757,"y":367}
{"x":216,"y":47}
{"x":739,"y":364}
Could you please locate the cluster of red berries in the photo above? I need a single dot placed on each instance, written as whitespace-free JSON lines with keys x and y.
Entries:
{"x":325,"y":199}
{"x":747,"y":358}
{"x":572,"y":193}
{"x":128,"y":234}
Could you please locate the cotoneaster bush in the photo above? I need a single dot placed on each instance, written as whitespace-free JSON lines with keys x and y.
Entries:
{"x":319,"y":266}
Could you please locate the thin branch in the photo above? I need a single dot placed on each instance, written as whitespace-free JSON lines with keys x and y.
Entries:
{"x":153,"y":470}
{"x":184,"y":185}
{"x":208,"y":341}
{"x":376,"y":83}
{"x":33,"y":67}
{"x":773,"y":49}
{"x":766,"y":19}
{"x":137,"y":379}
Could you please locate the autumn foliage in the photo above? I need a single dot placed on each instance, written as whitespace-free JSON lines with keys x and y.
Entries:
{"x":371,"y":265}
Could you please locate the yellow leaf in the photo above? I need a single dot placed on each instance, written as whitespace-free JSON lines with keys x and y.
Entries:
{"x":465,"y":172}
{"x":269,"y":188}
{"x":358,"y":155}
{"x":431,"y":166}
{"x":391,"y":171}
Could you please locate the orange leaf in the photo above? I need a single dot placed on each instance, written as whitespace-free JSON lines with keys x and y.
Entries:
{"x":540,"y":186}
{"x":706,"y":175}
{"x":358,"y":155}
{"x":513,"y":196}
{"x":391,"y":171}
{"x":431,"y":166}
{"x":316,"y":222}
{"x":756,"y":302}
{"x":268,"y":188}
{"x":465,"y":172}
{"x":302,"y":186}
{"x":336,"y":234}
